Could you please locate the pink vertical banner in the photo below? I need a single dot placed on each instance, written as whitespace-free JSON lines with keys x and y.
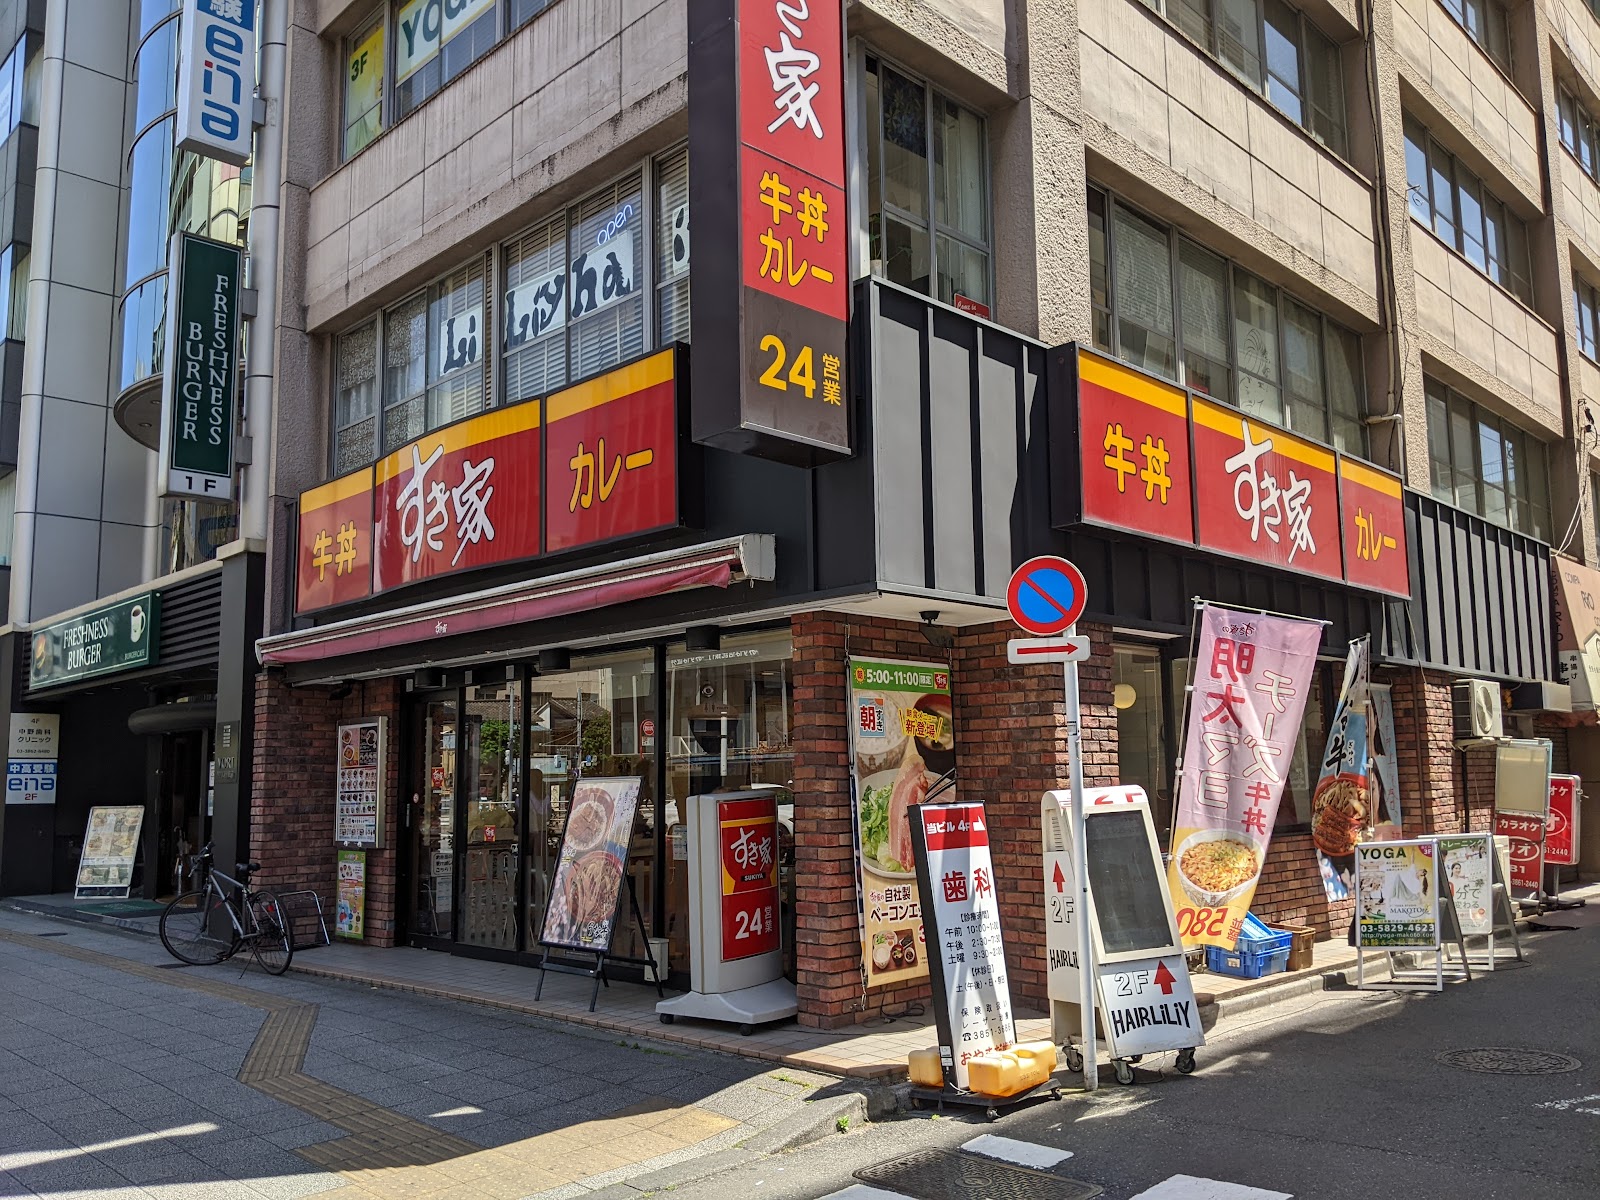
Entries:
{"x":1252,"y":674}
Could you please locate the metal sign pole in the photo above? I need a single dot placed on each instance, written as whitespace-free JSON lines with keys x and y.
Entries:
{"x":1080,"y":874}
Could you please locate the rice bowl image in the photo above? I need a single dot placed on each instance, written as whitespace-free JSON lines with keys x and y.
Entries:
{"x":1215,"y":866}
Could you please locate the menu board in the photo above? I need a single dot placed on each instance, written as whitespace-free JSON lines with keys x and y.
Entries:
{"x":961,"y":920}
{"x":589,"y":869}
{"x":350,"y":920}
{"x":110,"y":846}
{"x":359,"y":772}
{"x":1397,"y":895}
{"x":1468,"y":868}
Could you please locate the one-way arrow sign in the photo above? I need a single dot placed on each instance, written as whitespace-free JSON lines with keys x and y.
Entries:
{"x":1058,"y":878}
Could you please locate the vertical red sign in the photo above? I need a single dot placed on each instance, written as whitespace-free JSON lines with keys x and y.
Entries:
{"x":1527,"y":849}
{"x":1133,"y":435}
{"x":749,"y":841}
{"x":1561,"y":836}
{"x":335,"y":550}
{"x":1374,"y":529}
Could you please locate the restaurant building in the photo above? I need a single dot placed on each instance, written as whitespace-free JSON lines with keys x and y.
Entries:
{"x":1250,"y":304}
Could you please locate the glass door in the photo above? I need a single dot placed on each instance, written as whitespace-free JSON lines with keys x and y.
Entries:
{"x":432,"y":819}
{"x":493,"y":799}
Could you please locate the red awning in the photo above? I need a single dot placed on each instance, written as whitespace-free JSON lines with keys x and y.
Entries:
{"x":575,"y":591}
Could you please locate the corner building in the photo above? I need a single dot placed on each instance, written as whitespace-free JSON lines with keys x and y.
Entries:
{"x":550,"y":501}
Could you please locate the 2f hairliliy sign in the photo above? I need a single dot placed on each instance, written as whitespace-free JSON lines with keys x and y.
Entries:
{"x":766,"y":109}
{"x":202,"y":369}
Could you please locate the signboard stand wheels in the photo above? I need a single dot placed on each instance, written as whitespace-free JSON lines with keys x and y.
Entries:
{"x":993,"y":1106}
{"x":571,"y":961}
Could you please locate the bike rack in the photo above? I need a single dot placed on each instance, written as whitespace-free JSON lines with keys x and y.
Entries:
{"x":300,"y":911}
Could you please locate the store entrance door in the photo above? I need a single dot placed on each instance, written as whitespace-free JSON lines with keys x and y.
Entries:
{"x":430,"y":818}
{"x":183,"y":812}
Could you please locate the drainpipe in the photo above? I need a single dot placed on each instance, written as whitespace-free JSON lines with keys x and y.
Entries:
{"x":266,"y":184}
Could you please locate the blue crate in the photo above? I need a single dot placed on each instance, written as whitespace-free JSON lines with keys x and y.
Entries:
{"x":1244,"y":964}
{"x":1257,"y":938}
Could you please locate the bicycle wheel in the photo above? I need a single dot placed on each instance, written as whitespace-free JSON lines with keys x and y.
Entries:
{"x":272,"y":941}
{"x":196,"y":929}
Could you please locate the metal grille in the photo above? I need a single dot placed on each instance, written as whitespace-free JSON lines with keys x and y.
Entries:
{"x":1506,"y":1060}
{"x":948,"y":1175}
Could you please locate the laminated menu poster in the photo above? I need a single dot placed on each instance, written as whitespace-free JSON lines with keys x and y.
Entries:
{"x":971,"y":993}
{"x":110,"y":846}
{"x":1397,"y":895}
{"x":589,"y":869}
{"x":350,"y":921}
{"x":359,"y":797}
{"x":903,"y":743}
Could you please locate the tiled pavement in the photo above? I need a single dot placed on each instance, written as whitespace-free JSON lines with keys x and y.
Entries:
{"x":125,"y":1077}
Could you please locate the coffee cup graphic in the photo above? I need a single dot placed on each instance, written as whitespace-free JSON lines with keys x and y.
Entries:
{"x":136,"y":622}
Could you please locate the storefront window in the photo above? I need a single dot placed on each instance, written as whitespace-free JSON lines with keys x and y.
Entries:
{"x":727,"y":730}
{"x":493,"y":783}
{"x":1142,"y":756}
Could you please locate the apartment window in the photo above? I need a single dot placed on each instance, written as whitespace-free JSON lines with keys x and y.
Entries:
{"x":1578,"y":133}
{"x":927,"y":189}
{"x":1485,"y":23}
{"x":433,"y":44}
{"x":574,"y":300}
{"x":19,"y":85}
{"x":1486,"y":465}
{"x":1175,"y":309}
{"x":523,"y":11}
{"x":1586,"y":306}
{"x":363,"y":86}
{"x":1276,"y":51}
{"x":355,"y":404}
{"x":1465,"y":215}
{"x":672,"y":246}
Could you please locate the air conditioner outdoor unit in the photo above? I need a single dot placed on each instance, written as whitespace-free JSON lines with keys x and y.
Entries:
{"x":1477,"y":710}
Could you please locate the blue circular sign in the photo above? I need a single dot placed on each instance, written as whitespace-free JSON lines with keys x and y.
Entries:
{"x":1046,"y":595}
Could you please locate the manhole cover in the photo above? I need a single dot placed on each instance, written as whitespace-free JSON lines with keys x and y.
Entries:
{"x":1507,"y":1060}
{"x":947,"y":1175}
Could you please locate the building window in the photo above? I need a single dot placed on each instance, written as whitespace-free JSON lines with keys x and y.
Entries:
{"x":1142,"y":756}
{"x":1485,"y":23}
{"x":14,"y":262}
{"x":1486,"y":465}
{"x":1578,"y":133}
{"x":574,"y":296}
{"x":1275,"y":51}
{"x":433,"y":45}
{"x":363,"y":86}
{"x":1465,"y":215}
{"x":1219,"y":329}
{"x":355,"y":405}
{"x":1586,"y":305}
{"x":927,"y":189}
{"x":672,"y":246}
{"x":19,"y":85}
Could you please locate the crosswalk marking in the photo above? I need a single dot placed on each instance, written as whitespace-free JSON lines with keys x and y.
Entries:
{"x":1024,"y":1154}
{"x":860,"y":1191}
{"x":1190,"y":1187}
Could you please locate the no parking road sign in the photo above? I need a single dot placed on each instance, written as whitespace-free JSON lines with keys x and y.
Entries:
{"x":1046,"y":596}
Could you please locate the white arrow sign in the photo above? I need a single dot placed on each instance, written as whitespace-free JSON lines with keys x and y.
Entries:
{"x":1064,"y":649}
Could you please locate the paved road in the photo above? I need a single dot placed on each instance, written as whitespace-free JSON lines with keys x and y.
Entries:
{"x":126,"y":1077}
{"x":1339,"y":1095}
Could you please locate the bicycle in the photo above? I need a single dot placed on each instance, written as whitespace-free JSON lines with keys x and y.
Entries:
{"x":209,"y":925}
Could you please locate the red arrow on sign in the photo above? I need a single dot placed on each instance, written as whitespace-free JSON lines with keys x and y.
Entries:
{"x":1164,"y":979}
{"x":1058,"y":878}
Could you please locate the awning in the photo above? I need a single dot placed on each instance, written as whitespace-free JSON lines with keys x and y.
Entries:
{"x":711,"y":564}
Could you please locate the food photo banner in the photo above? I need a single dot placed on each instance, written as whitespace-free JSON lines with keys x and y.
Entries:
{"x":1165,"y":463}
{"x":585,"y":466}
{"x":903,"y":743}
{"x":1252,"y":675}
{"x":1341,"y":802}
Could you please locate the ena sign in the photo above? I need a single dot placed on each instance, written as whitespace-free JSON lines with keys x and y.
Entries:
{"x":217,"y":79}
{"x":202,"y":369}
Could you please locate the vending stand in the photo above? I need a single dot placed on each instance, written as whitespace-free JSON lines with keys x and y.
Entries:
{"x":1143,"y":996}
{"x":735,"y":945}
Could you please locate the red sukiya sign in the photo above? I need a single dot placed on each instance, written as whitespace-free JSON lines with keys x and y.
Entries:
{"x":795,"y":226}
{"x":464,"y":496}
{"x":749,"y":840}
{"x":1133,"y":438}
{"x":791,"y":83}
{"x":611,"y":448}
{"x":1264,"y":495}
{"x":335,"y":551}
{"x":499,"y":488}
{"x":1374,"y":529}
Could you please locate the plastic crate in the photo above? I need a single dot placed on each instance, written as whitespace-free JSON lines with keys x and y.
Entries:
{"x":1257,"y":938}
{"x":1244,"y":964}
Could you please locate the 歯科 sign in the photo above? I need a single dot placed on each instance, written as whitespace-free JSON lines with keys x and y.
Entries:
{"x":1156,"y":460}
{"x":350,"y":919}
{"x":588,"y":465}
{"x":35,"y":736}
{"x":1397,"y":895}
{"x":1561,"y":828}
{"x":903,"y":740}
{"x":767,"y":112}
{"x":106,"y":639}
{"x":217,"y":79}
{"x":359,"y":783}
{"x":589,"y":868}
{"x":201,"y":381}
{"x":1252,"y":675}
{"x":961,"y":923}
{"x":31,"y":763}
{"x":749,"y":843}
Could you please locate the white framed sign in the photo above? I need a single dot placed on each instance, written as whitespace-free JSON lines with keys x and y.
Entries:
{"x":35,"y":736}
{"x":217,"y":79}
{"x":361,"y":790}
